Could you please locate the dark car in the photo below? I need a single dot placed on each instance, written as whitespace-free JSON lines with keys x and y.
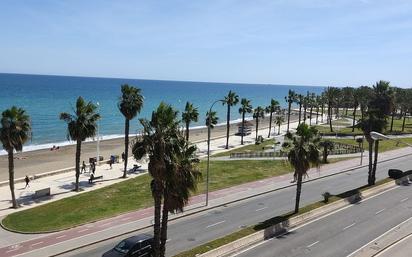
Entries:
{"x":134,"y":246}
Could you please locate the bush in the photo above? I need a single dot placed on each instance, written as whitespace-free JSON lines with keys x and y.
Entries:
{"x":395,"y":174}
{"x":326,"y":197}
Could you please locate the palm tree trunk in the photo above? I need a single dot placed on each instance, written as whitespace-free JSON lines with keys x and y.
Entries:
{"x":346,"y":111}
{"x":300,"y":112}
{"x":279,"y":129}
{"x":187,"y":131}
{"x":310,"y":116}
{"x":323,"y":111}
{"x":243,"y":128}
{"x":270,"y":123}
{"x":257,"y":126}
{"x":11,"y":178}
{"x":317,"y":114}
{"x":78,"y":153}
{"x":375,"y":162}
{"x":227,"y":126}
{"x":304,"y":113}
{"x":354,"y":117}
{"x":289,"y":107}
{"x":126,"y":146}
{"x":370,"y":167}
{"x":163,"y":232}
{"x":157,"y":197}
{"x":330,"y":117}
{"x":393,"y":115}
{"x":403,"y":122}
{"x":298,"y":192}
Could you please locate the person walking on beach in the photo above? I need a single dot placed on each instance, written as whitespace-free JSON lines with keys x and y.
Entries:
{"x":27,"y":181}
{"x":123,"y":157}
{"x":83,"y":168}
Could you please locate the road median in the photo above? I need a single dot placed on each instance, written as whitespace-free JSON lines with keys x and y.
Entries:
{"x":246,"y":237}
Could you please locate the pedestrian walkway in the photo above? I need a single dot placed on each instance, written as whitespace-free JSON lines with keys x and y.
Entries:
{"x":61,"y":186}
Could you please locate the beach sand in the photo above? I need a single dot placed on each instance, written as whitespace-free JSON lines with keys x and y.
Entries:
{"x":41,"y":161}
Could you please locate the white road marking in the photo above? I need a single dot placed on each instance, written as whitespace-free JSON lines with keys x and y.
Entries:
{"x":380,"y":211}
{"x":404,"y":199}
{"x":351,"y":225}
{"x":60,"y":236}
{"x":124,"y":219}
{"x":309,"y":246}
{"x":12,"y":250}
{"x":261,"y":208}
{"x":376,"y":239}
{"x":215,"y":224}
{"x":105,"y":224}
{"x":37,"y":243}
{"x":80,"y":231}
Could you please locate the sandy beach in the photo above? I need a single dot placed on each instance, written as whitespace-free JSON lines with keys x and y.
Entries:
{"x":41,"y":161}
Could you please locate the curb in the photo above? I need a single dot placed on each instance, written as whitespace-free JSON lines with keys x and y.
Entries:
{"x":283,"y":227}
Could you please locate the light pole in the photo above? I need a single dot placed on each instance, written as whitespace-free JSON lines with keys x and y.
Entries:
{"x":98,"y":136}
{"x":208,"y":149}
{"x":378,"y":136}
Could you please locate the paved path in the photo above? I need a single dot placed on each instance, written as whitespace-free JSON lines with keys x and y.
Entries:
{"x":17,"y":243}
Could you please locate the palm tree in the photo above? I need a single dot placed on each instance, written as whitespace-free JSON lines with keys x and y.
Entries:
{"x":379,"y":108}
{"x":190,"y":114}
{"x":259,"y":112}
{"x":245,"y":107}
{"x":81,"y":124}
{"x":302,"y":151}
{"x":158,"y":142}
{"x":130,"y":104}
{"x":213,"y":118}
{"x":182,"y":178}
{"x":14,"y":132}
{"x":317,"y":103}
{"x":331,"y":94}
{"x":311,"y":103}
{"x":230,"y":100}
{"x":356,"y":96}
{"x":290,"y":99}
{"x":299,"y":100}
{"x":327,"y":145}
{"x":278,"y":121}
{"x":273,"y":107}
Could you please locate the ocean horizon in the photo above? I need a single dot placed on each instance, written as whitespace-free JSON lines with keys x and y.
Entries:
{"x":44,"y":97}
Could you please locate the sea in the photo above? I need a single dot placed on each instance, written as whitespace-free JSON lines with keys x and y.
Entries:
{"x":44,"y":97}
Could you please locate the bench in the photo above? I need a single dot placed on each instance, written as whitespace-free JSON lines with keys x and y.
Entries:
{"x":94,"y":178}
{"x":42,"y":192}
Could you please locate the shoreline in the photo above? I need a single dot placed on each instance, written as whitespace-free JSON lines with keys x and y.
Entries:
{"x":43,"y":160}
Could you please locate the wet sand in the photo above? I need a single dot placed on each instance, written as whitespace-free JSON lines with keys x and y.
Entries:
{"x":41,"y":161}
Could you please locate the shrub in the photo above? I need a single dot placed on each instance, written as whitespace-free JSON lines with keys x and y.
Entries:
{"x":395,"y":174}
{"x":326,"y":197}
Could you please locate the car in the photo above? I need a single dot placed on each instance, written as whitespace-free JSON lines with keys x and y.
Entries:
{"x":135,"y":246}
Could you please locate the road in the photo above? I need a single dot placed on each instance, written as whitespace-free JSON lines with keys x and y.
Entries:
{"x":343,"y":232}
{"x":194,"y":230}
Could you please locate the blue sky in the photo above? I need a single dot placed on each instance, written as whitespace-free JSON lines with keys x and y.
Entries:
{"x":304,"y":42}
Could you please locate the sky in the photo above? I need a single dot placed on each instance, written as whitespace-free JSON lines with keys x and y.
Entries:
{"x":299,"y":42}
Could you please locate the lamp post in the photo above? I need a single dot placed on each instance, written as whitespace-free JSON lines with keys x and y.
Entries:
{"x":98,"y":137}
{"x":378,"y":136}
{"x":208,"y":150}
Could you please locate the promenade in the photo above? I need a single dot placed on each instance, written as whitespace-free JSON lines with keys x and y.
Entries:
{"x":62,"y":184}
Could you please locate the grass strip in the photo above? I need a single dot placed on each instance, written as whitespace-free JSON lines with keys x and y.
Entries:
{"x":248,"y":148}
{"x":132,"y":195}
{"x":270,"y":222}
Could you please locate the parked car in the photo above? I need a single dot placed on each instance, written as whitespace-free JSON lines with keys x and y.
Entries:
{"x":135,"y":246}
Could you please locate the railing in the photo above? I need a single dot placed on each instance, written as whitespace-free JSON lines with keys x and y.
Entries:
{"x":338,"y":149}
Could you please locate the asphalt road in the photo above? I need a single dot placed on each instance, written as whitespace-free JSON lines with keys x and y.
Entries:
{"x":344,"y":232}
{"x":194,"y":230}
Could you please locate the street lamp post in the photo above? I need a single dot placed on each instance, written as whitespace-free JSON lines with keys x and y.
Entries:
{"x":378,"y":136}
{"x":98,"y":137}
{"x":208,"y":150}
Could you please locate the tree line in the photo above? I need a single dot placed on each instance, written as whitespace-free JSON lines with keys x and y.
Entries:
{"x":173,"y":164}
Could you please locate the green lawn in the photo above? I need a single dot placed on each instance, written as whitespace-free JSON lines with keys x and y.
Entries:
{"x":132,"y":195}
{"x":248,"y":148}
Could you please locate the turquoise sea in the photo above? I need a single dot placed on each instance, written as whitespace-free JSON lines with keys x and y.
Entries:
{"x":44,"y":97}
